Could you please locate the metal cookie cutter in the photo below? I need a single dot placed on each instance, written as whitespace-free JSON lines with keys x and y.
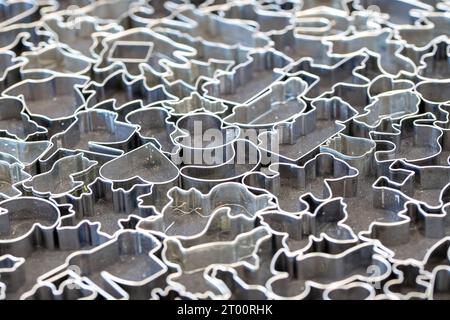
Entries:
{"x":321,"y":178}
{"x":154,"y":126}
{"x":297,"y":138}
{"x":353,"y":265}
{"x":194,"y":72}
{"x":82,"y":34}
{"x":193,"y":104}
{"x":213,"y":28}
{"x":10,"y":213}
{"x":296,"y":46}
{"x":326,"y":77}
{"x":327,"y":221}
{"x":246,"y":81}
{"x":407,"y":239}
{"x":245,"y":157}
{"x":208,"y":59}
{"x":143,"y":16}
{"x":399,"y":13}
{"x":188,"y":211}
{"x":113,"y":277}
{"x":56,"y":58}
{"x":255,"y":15}
{"x":178,"y":88}
{"x":10,"y":69}
{"x":281,"y":102}
{"x":52,"y":6}
{"x":411,"y":283}
{"x":204,"y":139}
{"x":146,"y":164}
{"x":95,"y":132}
{"x":431,"y":98}
{"x":23,"y":37}
{"x":380,"y":42}
{"x":307,"y":36}
{"x":429,"y":26}
{"x":18,"y":11}
{"x":51,"y":101}
{"x":247,"y":278}
{"x":10,"y":177}
{"x":125,"y":92}
{"x":423,"y":219}
{"x":434,"y":65}
{"x":16,"y":123}
{"x":324,"y":22}
{"x":327,"y":123}
{"x":26,"y":154}
{"x":105,"y":205}
{"x":379,"y":201}
{"x":148,"y":47}
{"x":106,"y":11}
{"x":68,"y":289}
{"x":388,"y":107}
{"x":408,"y":139}
{"x":30,"y":233}
{"x":352,"y":291}
{"x":224,"y":244}
{"x":69,"y":175}
{"x":232,"y":287}
{"x":439,"y":286}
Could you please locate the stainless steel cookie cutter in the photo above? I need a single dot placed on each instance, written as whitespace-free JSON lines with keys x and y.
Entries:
{"x":23,"y":37}
{"x":56,"y":58}
{"x":246,"y":81}
{"x":188,"y":211}
{"x":183,"y":254}
{"x":281,"y":102}
{"x":321,"y":178}
{"x":388,"y":51}
{"x":255,"y":15}
{"x":105,"y":275}
{"x":10,"y":68}
{"x":245,"y":157}
{"x":297,"y":231}
{"x":205,"y":139}
{"x":193,"y":104}
{"x":154,"y":126}
{"x":15,"y":122}
{"x":124,"y":91}
{"x":106,"y":11}
{"x":18,"y":11}
{"x":213,"y":28}
{"x":299,"y":137}
{"x":63,"y":91}
{"x":148,"y":46}
{"x":25,"y":218}
{"x":10,"y":176}
{"x":146,"y":164}
{"x":68,"y":175}
{"x":326,"y":77}
{"x":82,"y":34}
{"x":354,"y":262}
{"x":95,"y":132}
{"x":27,"y":154}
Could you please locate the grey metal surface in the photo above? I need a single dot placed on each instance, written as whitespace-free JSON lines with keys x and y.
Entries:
{"x":224,"y":149}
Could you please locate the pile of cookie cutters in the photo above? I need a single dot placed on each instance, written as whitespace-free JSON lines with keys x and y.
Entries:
{"x":256,"y":149}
